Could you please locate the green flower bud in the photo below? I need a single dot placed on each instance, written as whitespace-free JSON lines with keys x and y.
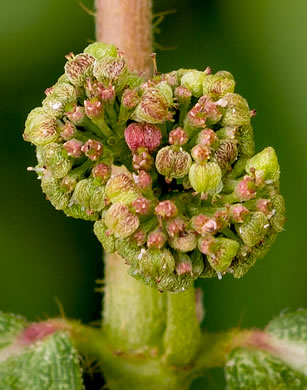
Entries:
{"x":40,"y":127}
{"x":166,"y":91}
{"x":121,"y":188}
{"x":246,"y":145}
{"x":197,"y":263}
{"x":193,"y":81}
{"x":100,"y":50}
{"x":54,"y":192}
{"x":153,"y":107}
{"x":111,"y":70}
{"x":224,"y":252}
{"x":61,"y":98}
{"x":56,"y":160}
{"x":253,"y":231}
{"x":265,"y":164}
{"x":173,"y":163}
{"x":78,"y":68}
{"x":156,"y":262}
{"x":205,"y":178}
{"x":90,"y":195}
{"x":77,"y":211}
{"x":107,"y":241}
{"x":236,"y":110}
{"x":278,"y":219}
{"x":120,"y":221}
{"x":174,"y":283}
{"x":128,"y":250}
{"x":184,"y":242}
{"x":219,"y":84}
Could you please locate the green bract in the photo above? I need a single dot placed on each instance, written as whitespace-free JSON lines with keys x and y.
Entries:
{"x":117,"y":149}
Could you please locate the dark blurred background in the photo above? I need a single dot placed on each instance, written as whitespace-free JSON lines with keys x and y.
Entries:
{"x":47,"y":257}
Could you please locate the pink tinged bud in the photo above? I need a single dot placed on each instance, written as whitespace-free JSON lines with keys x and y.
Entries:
{"x":211,"y":109}
{"x":175,"y":226}
{"x":130,"y":99}
{"x":120,"y":221}
{"x":198,"y":221}
{"x":142,"y":206}
{"x":210,"y":226}
{"x":93,"y":108}
{"x":196,"y":117}
{"x":252,"y":113}
{"x":245,"y":189}
{"x":143,"y":135}
{"x":186,"y":241}
{"x":264,"y":205}
{"x":178,"y":137}
{"x":38,"y":331}
{"x":184,"y":265}
{"x":206,"y":244}
{"x":107,"y":95}
{"x":143,"y":181}
{"x":208,"y":70}
{"x":68,"y":131}
{"x":156,"y":239}
{"x":166,"y":209}
{"x":206,"y":137}
{"x":200,"y":153}
{"x":238,"y":213}
{"x":73,"y":148}
{"x":77,"y":115}
{"x":78,"y":68}
{"x":92,"y":149}
{"x":142,"y":160}
{"x":101,"y":171}
{"x":121,"y":188}
{"x":183,"y":95}
{"x":139,"y":237}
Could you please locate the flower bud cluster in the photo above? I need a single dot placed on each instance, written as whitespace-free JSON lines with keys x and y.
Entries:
{"x":195,"y":200}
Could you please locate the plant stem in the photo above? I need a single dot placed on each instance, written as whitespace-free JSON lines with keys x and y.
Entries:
{"x":127,"y":24}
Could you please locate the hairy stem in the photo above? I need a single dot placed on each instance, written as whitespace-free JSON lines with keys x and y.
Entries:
{"x":127,"y":24}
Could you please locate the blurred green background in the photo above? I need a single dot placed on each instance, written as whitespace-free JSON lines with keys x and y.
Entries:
{"x":46,"y":256}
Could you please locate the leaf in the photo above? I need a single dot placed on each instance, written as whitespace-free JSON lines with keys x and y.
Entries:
{"x":47,"y":361}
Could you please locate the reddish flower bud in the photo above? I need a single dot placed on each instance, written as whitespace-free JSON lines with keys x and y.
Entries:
{"x":143,"y":181}
{"x":245,"y":189}
{"x":130,"y":99}
{"x":68,"y":131}
{"x":77,"y":115}
{"x":74,"y":148}
{"x":142,"y":160}
{"x":142,"y":206}
{"x":143,"y":135}
{"x":238,"y":213}
{"x":183,"y":95}
{"x":183,"y":264}
{"x":264,"y":205}
{"x":206,"y":244}
{"x":166,"y":209}
{"x":93,"y":108}
{"x":101,"y":171}
{"x":200,"y":153}
{"x":156,"y":239}
{"x":222,"y":219}
{"x":178,"y":137}
{"x":175,"y":226}
{"x":140,"y":237}
{"x":206,"y":137}
{"x":92,"y":149}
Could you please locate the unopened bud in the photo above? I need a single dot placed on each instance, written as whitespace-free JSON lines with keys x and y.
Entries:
{"x":142,"y":160}
{"x":54,"y":192}
{"x":178,"y":137}
{"x":175,"y":226}
{"x":183,"y":264}
{"x":193,"y":81}
{"x":173,"y":163}
{"x":56,"y":161}
{"x":236,"y":110}
{"x":111,"y":70}
{"x":101,"y":50}
{"x":40,"y":127}
{"x":245,"y":189}
{"x":205,"y":178}
{"x":62,"y":97}
{"x":107,"y":240}
{"x":200,"y":153}
{"x":264,"y":205}
{"x":143,"y":181}
{"x":226,"y":154}
{"x":143,"y":135}
{"x":142,"y":206}
{"x":238,"y":213}
{"x":253,"y":231}
{"x":278,"y":219}
{"x":206,"y":137}
{"x":79,"y":68}
{"x":206,"y":244}
{"x":186,"y":241}
{"x":166,"y":209}
{"x":130,"y":99}
{"x":77,"y":115}
{"x":73,"y":148}
{"x":153,"y":107}
{"x":156,"y":239}
{"x":92,"y":149}
{"x":102,"y":172}
{"x":121,"y":188}
{"x":219,"y":84}
{"x":265,"y":164}
{"x":140,"y":237}
{"x":120,"y":221}
{"x":183,"y":95}
{"x":224,"y":252}
{"x":171,"y":78}
{"x":89,"y":195}
{"x":93,"y":108}
{"x":68,"y":131}
{"x":157,"y":262}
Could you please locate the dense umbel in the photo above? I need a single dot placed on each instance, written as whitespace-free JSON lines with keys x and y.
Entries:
{"x":194,"y":200}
